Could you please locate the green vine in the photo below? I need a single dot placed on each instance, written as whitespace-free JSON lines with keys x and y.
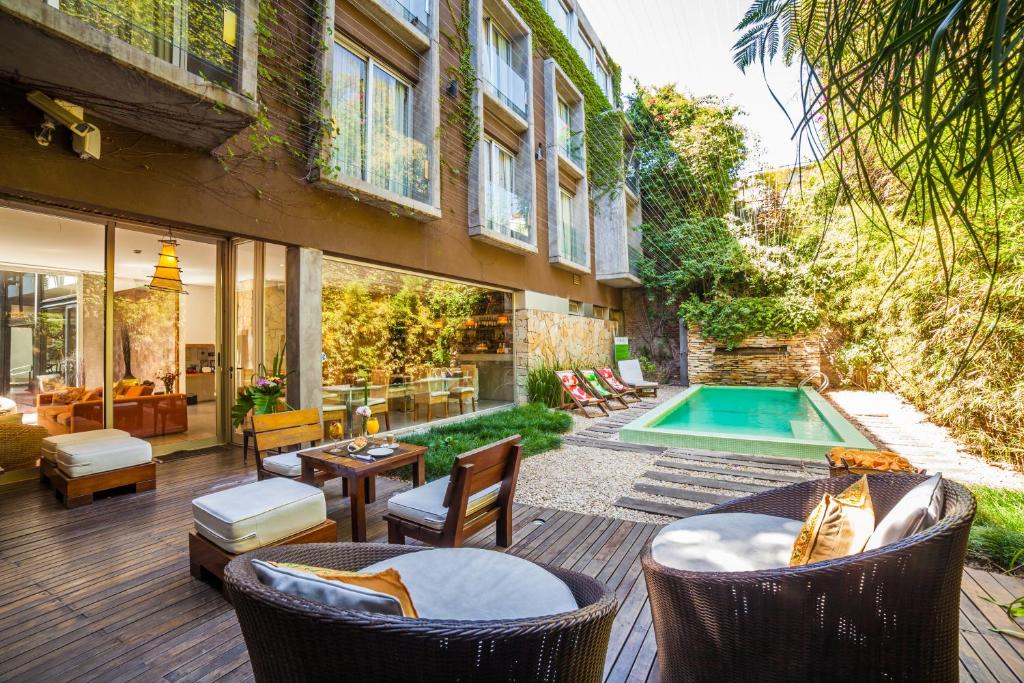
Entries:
{"x":605,"y":146}
{"x":464,"y":116}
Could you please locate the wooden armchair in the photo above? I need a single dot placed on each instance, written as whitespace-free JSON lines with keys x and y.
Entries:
{"x":283,"y":431}
{"x":449,"y":510}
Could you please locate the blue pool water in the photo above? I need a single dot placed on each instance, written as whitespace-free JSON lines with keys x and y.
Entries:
{"x":749,"y":412}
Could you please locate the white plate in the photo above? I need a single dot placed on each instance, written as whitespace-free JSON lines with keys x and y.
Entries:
{"x":380,"y":451}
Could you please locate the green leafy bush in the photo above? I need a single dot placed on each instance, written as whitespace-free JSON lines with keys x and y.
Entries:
{"x":997,"y":537}
{"x":540,"y":427}
{"x":732,"y":319}
{"x":543,"y":386}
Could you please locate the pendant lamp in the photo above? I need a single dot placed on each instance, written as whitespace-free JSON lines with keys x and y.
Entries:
{"x":167,"y":274}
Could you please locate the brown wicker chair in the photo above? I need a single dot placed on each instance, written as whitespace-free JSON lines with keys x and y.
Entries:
{"x":292,"y":639}
{"x":887,"y":614}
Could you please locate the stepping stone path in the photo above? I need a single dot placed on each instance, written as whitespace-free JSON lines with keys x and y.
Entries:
{"x":685,"y":481}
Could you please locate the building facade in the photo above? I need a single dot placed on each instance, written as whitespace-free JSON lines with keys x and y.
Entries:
{"x":391,"y":198}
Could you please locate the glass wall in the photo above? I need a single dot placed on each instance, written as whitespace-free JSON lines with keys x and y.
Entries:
{"x":52,"y":302}
{"x":165,"y":342}
{"x":414,"y":348}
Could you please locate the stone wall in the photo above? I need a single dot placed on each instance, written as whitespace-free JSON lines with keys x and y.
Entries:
{"x":653,"y":331}
{"x":558,"y":338}
{"x":770,"y":361}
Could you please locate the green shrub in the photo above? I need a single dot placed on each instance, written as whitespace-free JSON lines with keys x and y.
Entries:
{"x":543,"y":386}
{"x":732,"y":319}
{"x":540,"y":428}
{"x":997,"y":537}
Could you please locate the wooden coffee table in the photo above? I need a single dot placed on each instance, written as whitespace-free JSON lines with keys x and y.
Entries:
{"x":360,"y":475}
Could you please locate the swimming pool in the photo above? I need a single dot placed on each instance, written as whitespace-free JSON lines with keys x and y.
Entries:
{"x":796,"y":423}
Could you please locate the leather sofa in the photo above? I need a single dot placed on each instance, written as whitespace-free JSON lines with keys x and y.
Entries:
{"x":140,"y":416}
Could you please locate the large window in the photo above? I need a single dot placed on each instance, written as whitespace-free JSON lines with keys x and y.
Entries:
{"x":505,"y":83}
{"x":572,"y":247}
{"x":586,"y":49}
{"x":412,"y":347}
{"x":372,"y":126}
{"x":604,"y":80}
{"x":506,"y":210}
{"x":561,"y":15}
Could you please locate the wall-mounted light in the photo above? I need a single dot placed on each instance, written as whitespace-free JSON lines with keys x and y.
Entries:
{"x":453,"y":88}
{"x":540,"y":153}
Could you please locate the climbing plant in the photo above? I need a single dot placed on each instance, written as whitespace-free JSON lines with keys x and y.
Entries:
{"x":464,"y":116}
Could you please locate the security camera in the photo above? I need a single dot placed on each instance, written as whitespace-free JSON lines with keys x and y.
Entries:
{"x":85,"y":137}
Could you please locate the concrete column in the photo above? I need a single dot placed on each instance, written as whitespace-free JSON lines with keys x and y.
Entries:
{"x":304,"y":344}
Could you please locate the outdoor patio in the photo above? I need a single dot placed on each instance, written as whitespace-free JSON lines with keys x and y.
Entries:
{"x":104,"y":593}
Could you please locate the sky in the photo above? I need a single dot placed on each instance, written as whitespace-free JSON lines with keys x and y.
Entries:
{"x":689,"y":42}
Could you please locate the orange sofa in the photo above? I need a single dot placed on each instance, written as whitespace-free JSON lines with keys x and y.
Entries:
{"x":140,"y":416}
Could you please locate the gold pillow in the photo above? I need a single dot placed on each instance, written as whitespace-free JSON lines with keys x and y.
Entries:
{"x":838,"y":526}
{"x":388,"y":582}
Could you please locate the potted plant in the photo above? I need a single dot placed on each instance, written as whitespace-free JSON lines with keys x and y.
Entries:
{"x":263,"y":394}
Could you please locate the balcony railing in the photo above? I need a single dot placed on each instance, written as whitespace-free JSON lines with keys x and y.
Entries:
{"x":202,"y":36}
{"x":631,"y":182}
{"x":573,"y":245}
{"x":634,"y":261}
{"x":506,"y":85}
{"x":413,"y":11}
{"x":397,"y":163}
{"x":507,"y":213}
{"x":571,"y":144}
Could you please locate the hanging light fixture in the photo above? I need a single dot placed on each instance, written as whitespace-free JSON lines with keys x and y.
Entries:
{"x":167,"y":274}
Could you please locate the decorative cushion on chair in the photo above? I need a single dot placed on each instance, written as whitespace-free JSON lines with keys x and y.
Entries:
{"x":425,"y":504}
{"x":284,"y":464}
{"x":726,"y":542}
{"x":52,"y":443}
{"x":92,"y":457}
{"x":10,"y":418}
{"x":247,"y":517}
{"x":838,"y":526}
{"x":304,"y":584}
{"x":916,"y":511}
{"x":470,"y":584}
{"x":388,"y":582}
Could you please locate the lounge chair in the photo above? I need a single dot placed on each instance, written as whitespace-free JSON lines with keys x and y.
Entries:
{"x":630,"y":372}
{"x":579,"y":397}
{"x":598,"y":388}
{"x":615,"y":383}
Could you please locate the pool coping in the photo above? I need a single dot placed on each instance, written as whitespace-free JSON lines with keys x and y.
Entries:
{"x":639,"y":431}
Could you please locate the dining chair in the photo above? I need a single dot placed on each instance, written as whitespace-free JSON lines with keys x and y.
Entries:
{"x":429,"y":390}
{"x":282,"y":431}
{"x":465,"y":389}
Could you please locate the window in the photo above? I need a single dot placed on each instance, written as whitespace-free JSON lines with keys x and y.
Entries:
{"x":505,"y":211}
{"x":600,"y":312}
{"x":586,"y":50}
{"x":565,"y":224}
{"x":506,"y":83}
{"x":564,"y":125}
{"x":604,"y":80}
{"x":617,"y":317}
{"x":561,"y":15}
{"x":575,"y":307}
{"x":372,"y":124}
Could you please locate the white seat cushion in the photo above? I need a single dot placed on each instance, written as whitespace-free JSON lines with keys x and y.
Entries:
{"x":247,"y":517}
{"x":644,"y":383}
{"x":424,"y":505}
{"x":726,"y":542}
{"x":52,"y":443}
{"x":284,"y":464}
{"x":919,"y":509}
{"x":463,"y":390}
{"x":93,"y":457}
{"x":470,"y":584}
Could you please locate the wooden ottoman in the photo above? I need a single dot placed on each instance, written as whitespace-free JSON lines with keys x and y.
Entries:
{"x":275,"y":511}
{"x":48,"y":450}
{"x":84,"y":469}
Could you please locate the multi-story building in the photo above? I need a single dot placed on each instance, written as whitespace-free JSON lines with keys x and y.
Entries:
{"x":373,"y":190}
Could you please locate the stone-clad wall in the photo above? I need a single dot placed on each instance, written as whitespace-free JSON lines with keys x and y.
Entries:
{"x":558,"y":338}
{"x":708,"y":364}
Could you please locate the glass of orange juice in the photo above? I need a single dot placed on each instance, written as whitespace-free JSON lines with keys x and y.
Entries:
{"x":372,"y":426}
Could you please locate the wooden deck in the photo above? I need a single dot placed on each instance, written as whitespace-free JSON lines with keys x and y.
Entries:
{"x":103,"y":592}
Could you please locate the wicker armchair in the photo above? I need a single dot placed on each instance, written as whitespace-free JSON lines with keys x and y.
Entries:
{"x":291,"y":639}
{"x":887,"y":614}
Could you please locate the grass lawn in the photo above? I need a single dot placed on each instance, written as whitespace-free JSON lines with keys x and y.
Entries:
{"x":997,"y":537}
{"x":540,"y":428}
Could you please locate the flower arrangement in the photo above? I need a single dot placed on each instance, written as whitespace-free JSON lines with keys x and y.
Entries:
{"x":263,"y":393}
{"x":168,"y":377}
{"x":365,"y":413}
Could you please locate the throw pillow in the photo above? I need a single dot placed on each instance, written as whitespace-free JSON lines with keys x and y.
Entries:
{"x":302,"y":584}
{"x":838,"y":526}
{"x":388,"y":582}
{"x":133,"y":391}
{"x":70,"y":396}
{"x":919,"y":509}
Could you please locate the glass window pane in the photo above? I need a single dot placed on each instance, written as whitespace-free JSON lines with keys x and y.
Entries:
{"x":348,"y":93}
{"x":274,"y":304}
{"x":390,"y":154}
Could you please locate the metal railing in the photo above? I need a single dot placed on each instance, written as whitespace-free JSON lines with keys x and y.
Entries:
{"x":507,"y":213}
{"x":821,"y":376}
{"x":571,"y":143}
{"x":506,"y":85}
{"x":573,"y":245}
{"x":416,"y":12}
{"x":202,"y":36}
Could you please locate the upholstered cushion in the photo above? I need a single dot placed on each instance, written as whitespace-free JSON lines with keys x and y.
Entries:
{"x":726,"y":542}
{"x":10,"y":418}
{"x":462,"y":390}
{"x":52,"y":443}
{"x":644,"y":384}
{"x":838,"y":526}
{"x":425,"y":504}
{"x":478,"y":585}
{"x":334,"y":593}
{"x":916,"y":511}
{"x":388,"y":582}
{"x":285,"y":464}
{"x":92,"y":457}
{"x":7,"y":406}
{"x":247,"y":517}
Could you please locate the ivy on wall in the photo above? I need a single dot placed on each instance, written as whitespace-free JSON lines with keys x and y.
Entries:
{"x":605,"y":143}
{"x":464,"y":117}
